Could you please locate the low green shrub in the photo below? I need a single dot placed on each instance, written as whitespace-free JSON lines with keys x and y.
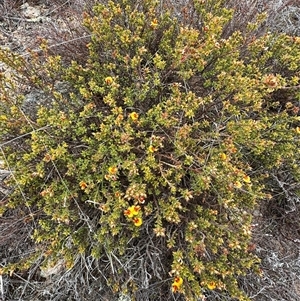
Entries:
{"x":167,"y":136}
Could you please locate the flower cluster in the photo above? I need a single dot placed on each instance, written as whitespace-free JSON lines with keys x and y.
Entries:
{"x":156,"y":142}
{"x":136,"y":192}
{"x":246,"y":180}
{"x":134,"y":213}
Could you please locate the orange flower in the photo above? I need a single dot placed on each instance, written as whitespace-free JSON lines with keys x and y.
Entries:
{"x":83,"y":185}
{"x":117,"y":194}
{"x":113,"y":170}
{"x":175,"y":288}
{"x":154,"y":23}
{"x":211,"y":285}
{"x":103,"y":207}
{"x":246,"y":179}
{"x":177,"y":283}
{"x":134,"y":116}
{"x":152,"y":149}
{"x":233,"y":150}
{"x":109,"y":80}
{"x":128,"y":212}
{"x":132,"y":211}
{"x":137,"y":221}
{"x":237,"y":184}
{"x":223,"y":156}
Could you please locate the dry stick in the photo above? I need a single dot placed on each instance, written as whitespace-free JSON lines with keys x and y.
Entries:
{"x":22,"y":136}
{"x":56,"y":8}
{"x":1,"y":288}
{"x":52,"y":46}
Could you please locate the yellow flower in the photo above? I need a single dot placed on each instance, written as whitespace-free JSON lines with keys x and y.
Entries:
{"x":246,"y":179}
{"x":237,"y":184}
{"x":132,"y":211}
{"x":137,"y":221}
{"x":128,"y":212}
{"x":211,"y":285}
{"x":152,"y":149}
{"x":175,"y":288}
{"x":109,"y":80}
{"x":297,"y":130}
{"x":154,"y":23}
{"x":223,"y":156}
{"x":83,"y":185}
{"x":177,"y":283}
{"x":134,"y":116}
{"x":113,"y":170}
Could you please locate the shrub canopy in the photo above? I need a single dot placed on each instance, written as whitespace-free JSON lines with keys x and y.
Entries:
{"x":157,"y":151}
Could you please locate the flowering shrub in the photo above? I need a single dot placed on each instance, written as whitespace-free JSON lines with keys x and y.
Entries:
{"x":167,"y":135}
